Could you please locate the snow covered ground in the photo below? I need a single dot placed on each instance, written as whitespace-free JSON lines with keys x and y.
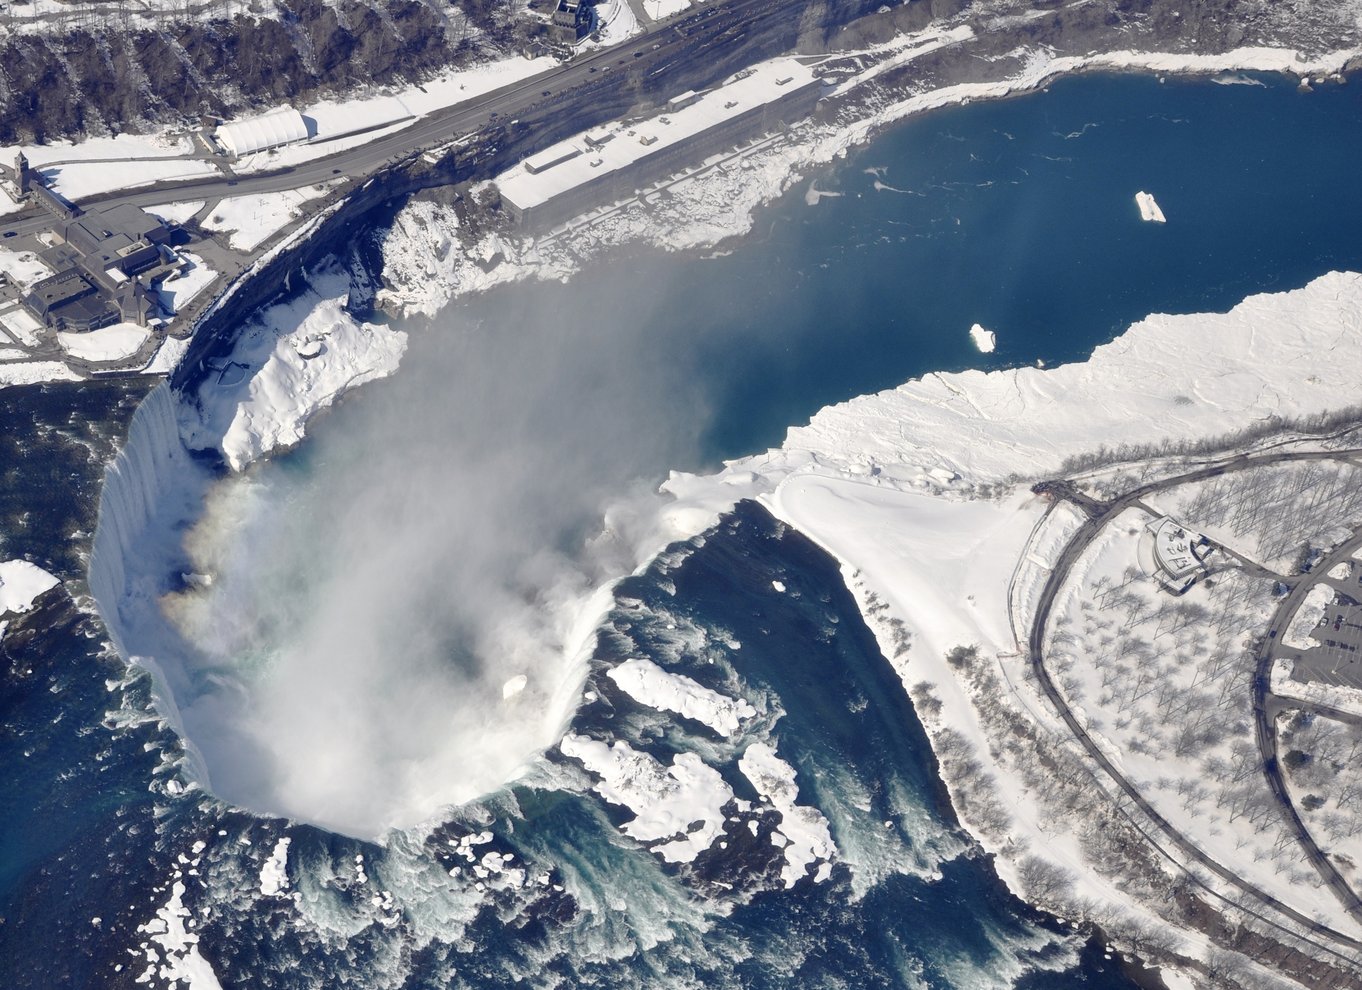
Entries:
{"x":1323,"y":771}
{"x":80,"y":179}
{"x":251,"y":220}
{"x":1271,"y":514}
{"x":166,"y":144}
{"x":116,"y":343}
{"x":294,"y":360}
{"x":1165,"y":683}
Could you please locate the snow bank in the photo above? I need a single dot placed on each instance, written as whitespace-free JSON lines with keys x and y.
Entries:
{"x":1307,"y":618}
{"x":264,"y":396}
{"x":21,"y":583}
{"x":116,"y":343}
{"x":984,"y":340}
{"x":1149,"y":209}
{"x":803,"y":830}
{"x":1336,"y":696}
{"x":682,"y":804}
{"x":650,"y":685}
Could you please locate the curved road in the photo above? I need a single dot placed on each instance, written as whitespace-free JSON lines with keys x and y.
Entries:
{"x":1099,"y":514}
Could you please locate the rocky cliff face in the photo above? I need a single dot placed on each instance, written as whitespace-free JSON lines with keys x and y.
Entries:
{"x":65,"y":80}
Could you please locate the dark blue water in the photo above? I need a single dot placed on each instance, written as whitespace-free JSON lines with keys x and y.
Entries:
{"x":1017,"y":215}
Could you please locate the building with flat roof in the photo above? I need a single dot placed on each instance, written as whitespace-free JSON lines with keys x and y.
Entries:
{"x":564,"y":179}
{"x":1176,"y":556}
{"x":106,"y":262}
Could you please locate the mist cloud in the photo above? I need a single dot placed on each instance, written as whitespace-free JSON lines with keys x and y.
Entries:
{"x":373,"y":594}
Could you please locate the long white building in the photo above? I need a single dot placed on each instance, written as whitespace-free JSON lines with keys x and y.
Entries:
{"x":272,"y":130}
{"x":566,"y":178}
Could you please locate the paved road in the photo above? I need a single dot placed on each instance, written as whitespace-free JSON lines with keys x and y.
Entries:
{"x":1265,"y":729}
{"x":1099,"y":515}
{"x":662,"y":46}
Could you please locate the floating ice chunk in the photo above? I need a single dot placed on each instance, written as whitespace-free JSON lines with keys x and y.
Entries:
{"x":983,"y":339}
{"x":650,"y":685}
{"x":682,"y":803}
{"x":514,"y":686}
{"x":274,"y":874}
{"x":1149,"y":209}
{"x":172,"y":951}
{"x":803,"y":830}
{"x":21,"y":583}
{"x":779,"y":586}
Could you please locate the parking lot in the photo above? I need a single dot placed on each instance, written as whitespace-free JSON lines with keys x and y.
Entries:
{"x":1338,"y":660}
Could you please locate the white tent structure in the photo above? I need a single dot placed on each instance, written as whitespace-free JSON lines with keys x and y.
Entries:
{"x":278,"y":127}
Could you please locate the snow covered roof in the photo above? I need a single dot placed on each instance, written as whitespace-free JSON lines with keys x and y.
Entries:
{"x":278,"y":127}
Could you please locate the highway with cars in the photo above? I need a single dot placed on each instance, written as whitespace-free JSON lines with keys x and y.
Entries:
{"x":660,"y":49}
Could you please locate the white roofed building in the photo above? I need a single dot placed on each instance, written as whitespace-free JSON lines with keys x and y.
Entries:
{"x":274,"y":129}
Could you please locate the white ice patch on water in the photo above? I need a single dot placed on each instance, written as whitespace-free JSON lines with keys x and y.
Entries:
{"x":274,"y":874}
{"x":680,"y":806}
{"x":172,"y":948}
{"x":21,"y":584}
{"x":650,"y":685}
{"x":1149,"y":208}
{"x":803,"y":831}
{"x":984,"y":340}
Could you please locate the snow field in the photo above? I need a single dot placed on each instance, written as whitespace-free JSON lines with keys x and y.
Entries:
{"x":251,"y":220}
{"x":263,"y":398}
{"x":107,"y":344}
